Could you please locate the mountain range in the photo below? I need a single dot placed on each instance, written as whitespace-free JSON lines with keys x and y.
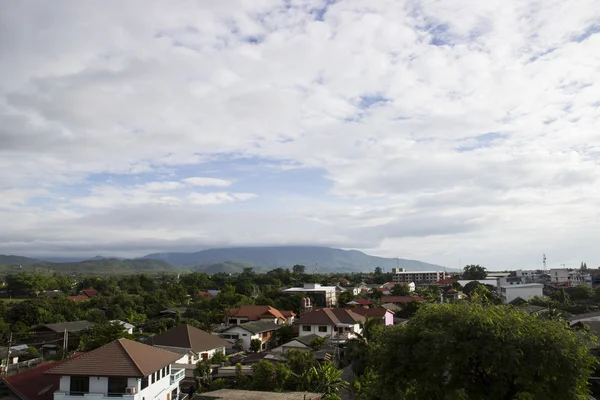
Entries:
{"x":229,"y":260}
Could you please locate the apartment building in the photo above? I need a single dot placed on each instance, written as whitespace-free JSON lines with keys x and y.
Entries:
{"x":401,"y":275}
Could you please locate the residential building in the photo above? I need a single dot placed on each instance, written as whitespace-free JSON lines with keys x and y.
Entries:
{"x":123,"y":368}
{"x":191,"y":343}
{"x":419,"y":277}
{"x":360,"y":303}
{"x":34,"y":384}
{"x":323,"y":296}
{"x":237,"y":316}
{"x":593,"y":316}
{"x":382,"y":314}
{"x":54,"y":332}
{"x":299,"y":343}
{"x":402,"y":301}
{"x":525,"y":291}
{"x":83,"y":295}
{"x":331,"y":323}
{"x":127,"y":327}
{"x":233,"y":394}
{"x":261,"y":330}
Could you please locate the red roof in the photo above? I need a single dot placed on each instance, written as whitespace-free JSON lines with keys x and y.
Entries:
{"x":330,"y":316}
{"x":378,"y":312}
{"x":364,"y":302}
{"x":205,"y":294}
{"x":288,"y":313}
{"x":78,"y":298}
{"x":254,"y":313}
{"x":89,"y":292}
{"x":401,"y":299}
{"x":34,"y":384}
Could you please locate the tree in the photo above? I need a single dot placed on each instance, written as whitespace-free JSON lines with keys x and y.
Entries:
{"x":255,"y":345}
{"x":317,"y":343}
{"x":100,"y":334}
{"x":263,"y":376}
{"x":580,"y":293}
{"x":400,"y":290}
{"x":471,"y":351}
{"x":323,"y":378}
{"x":298,"y":269}
{"x":345,"y":297}
{"x":474,"y":272}
{"x":471,"y":286}
{"x":358,"y":348}
{"x":218,"y":357}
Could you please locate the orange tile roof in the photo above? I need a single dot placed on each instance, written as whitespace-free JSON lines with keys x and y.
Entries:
{"x":123,"y":357}
{"x":254,"y":313}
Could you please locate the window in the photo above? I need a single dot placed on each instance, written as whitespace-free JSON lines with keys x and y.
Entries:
{"x":322,"y":329}
{"x":79,"y":385}
{"x":168,"y":369}
{"x":116,"y":386}
{"x":233,"y":321}
{"x":144,"y":382}
{"x":243,"y":334}
{"x":162,"y":372}
{"x":152,"y":379}
{"x":306,"y":328}
{"x":205,"y":356}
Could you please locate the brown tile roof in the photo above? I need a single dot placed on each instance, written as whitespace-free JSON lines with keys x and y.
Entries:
{"x":188,"y":337}
{"x":330,"y":316}
{"x":34,"y":384}
{"x":89,"y":292}
{"x":254,"y":313}
{"x":288,"y":313}
{"x":78,"y":298}
{"x":372,"y":312}
{"x":123,"y":357}
{"x":364,"y":302}
{"x":401,"y":299}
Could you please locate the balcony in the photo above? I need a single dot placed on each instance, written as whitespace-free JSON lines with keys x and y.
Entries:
{"x":68,"y":395}
{"x":177,"y":375}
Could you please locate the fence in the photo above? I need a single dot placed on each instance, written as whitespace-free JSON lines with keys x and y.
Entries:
{"x":15,"y":368}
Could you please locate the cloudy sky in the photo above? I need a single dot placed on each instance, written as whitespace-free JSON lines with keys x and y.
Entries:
{"x":435,"y":130}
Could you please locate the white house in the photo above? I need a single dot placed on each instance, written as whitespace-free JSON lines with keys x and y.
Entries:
{"x":192,"y":343}
{"x":525,"y":291}
{"x":261,"y":330}
{"x":127,"y":327}
{"x":124,"y":369}
{"x":330,"y":323}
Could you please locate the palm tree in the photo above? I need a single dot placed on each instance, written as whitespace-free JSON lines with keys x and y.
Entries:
{"x":324,"y":378}
{"x":357,"y":349}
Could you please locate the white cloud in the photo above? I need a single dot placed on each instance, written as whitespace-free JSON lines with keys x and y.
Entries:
{"x":415,"y":171}
{"x":200,"y":181}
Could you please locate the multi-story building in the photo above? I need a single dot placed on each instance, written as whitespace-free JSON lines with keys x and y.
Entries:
{"x":322,"y":296}
{"x":124,"y":369}
{"x":400,"y":275}
{"x":525,"y":291}
{"x":331,"y":323}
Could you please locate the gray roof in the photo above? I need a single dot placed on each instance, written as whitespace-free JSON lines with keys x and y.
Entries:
{"x":532,"y":309}
{"x":74,"y":326}
{"x":582,"y":316}
{"x":234,"y":394}
{"x":259,"y":326}
{"x":306,"y":339}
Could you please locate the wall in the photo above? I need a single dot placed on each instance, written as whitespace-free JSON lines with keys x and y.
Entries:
{"x":314,"y":329}
{"x":241,"y":332}
{"x":388,"y":318}
{"x":524,"y":292}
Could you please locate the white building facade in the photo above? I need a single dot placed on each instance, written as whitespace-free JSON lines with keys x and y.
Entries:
{"x":524,"y":291}
{"x":400,"y":275}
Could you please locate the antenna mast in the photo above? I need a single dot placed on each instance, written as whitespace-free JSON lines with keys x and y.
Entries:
{"x":545,"y":269}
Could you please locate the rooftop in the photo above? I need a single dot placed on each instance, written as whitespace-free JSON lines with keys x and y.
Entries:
{"x":523,"y":286}
{"x":123,"y":357}
{"x":188,"y":337}
{"x":259,"y":326}
{"x":330,"y":316}
{"x":34,"y":384}
{"x":68,"y":326}
{"x":378,"y":312}
{"x":401,"y":299}
{"x":254,"y":313}
{"x":231,"y":394}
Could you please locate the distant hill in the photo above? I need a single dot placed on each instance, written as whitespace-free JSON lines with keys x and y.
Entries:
{"x":97,"y":266}
{"x":17,"y":260}
{"x":230,"y":267}
{"x":324,"y":259}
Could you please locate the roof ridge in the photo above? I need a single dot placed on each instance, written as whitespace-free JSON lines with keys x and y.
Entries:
{"x":71,"y":359}
{"x":129,"y":355}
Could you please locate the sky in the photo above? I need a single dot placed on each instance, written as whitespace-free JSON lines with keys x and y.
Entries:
{"x":447,"y":131}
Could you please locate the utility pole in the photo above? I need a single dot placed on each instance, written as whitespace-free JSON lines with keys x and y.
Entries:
{"x":8,"y":354}
{"x":65,"y":343}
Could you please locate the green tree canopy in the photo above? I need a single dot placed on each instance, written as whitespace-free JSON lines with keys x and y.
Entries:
{"x":400,"y":290}
{"x":474,"y":272}
{"x":100,"y":334}
{"x":470,"y":351}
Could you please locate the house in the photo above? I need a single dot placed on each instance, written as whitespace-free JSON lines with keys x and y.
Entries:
{"x":531,"y":309}
{"x":173,"y":311}
{"x":289,"y":316}
{"x":323,"y":296}
{"x":127,"y":327}
{"x":53,"y":332}
{"x":331,"y":323}
{"x":237,"y":316}
{"x":452,"y":294}
{"x":360,"y":303}
{"x":525,"y":291}
{"x":123,"y":368}
{"x":300,"y":343}
{"x":391,"y":307}
{"x":206,"y":294}
{"x":380,"y":313}
{"x":191,"y":343}
{"x":401,"y":301}
{"x":261,"y":330}
{"x":83,"y":295}
{"x":233,"y":394}
{"x":34,"y":384}
{"x":586,"y":317}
